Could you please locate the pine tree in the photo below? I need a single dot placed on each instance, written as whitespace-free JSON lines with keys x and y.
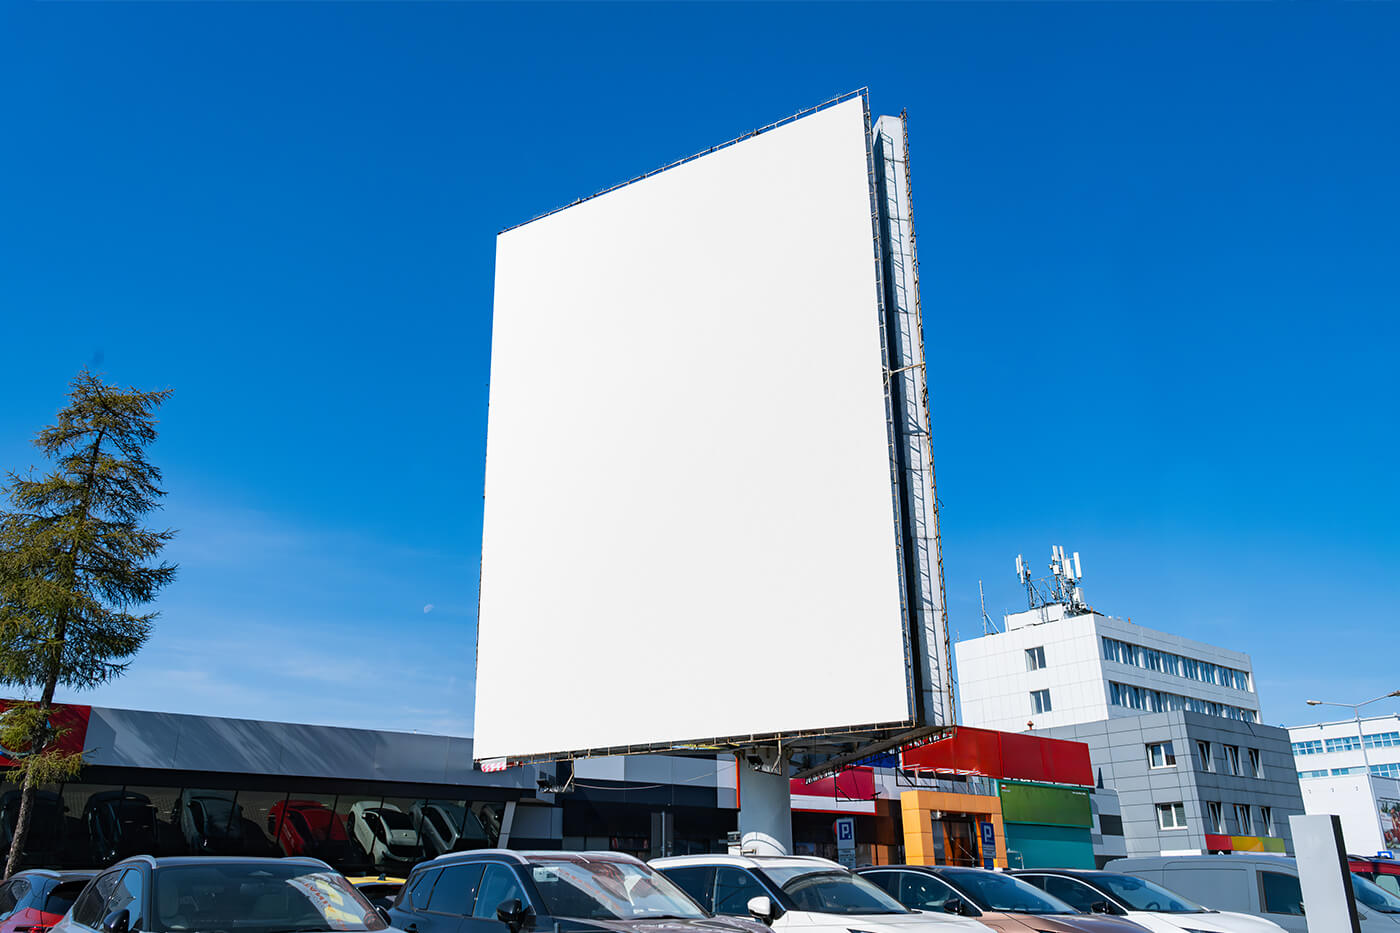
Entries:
{"x":74,"y":565}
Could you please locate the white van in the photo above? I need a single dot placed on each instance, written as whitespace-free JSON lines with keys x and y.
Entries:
{"x":1262,"y":885}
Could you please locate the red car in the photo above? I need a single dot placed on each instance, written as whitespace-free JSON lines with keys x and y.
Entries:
{"x":307,"y":827}
{"x":34,"y":900}
{"x":1382,"y":871}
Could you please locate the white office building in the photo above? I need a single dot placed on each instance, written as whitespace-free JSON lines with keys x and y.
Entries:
{"x":1054,"y":666}
{"x":1338,"y":749}
{"x":1352,"y":771}
{"x":1172,"y":724}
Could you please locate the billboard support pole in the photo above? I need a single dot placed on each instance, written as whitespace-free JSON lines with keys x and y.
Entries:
{"x":765,"y":802}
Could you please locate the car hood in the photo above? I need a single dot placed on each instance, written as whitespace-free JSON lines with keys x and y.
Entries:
{"x":1216,"y":921}
{"x":929,"y":920}
{"x":703,"y":925}
{"x":1056,"y":923}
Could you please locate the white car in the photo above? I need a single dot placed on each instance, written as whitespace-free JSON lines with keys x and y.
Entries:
{"x":797,"y":892}
{"x":1145,"y":903}
{"x":385,"y":833}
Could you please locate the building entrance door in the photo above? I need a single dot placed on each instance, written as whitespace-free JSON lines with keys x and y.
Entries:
{"x":962,"y":841}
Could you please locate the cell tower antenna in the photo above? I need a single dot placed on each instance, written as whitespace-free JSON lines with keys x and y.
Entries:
{"x":1060,"y":588}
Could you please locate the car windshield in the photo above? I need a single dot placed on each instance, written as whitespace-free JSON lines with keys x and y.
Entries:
{"x":393,"y":819}
{"x":607,"y":889}
{"x":1374,"y":896}
{"x":832,"y":891}
{"x":63,"y":896}
{"x":258,"y":897}
{"x":1144,"y":895}
{"x":991,"y":890}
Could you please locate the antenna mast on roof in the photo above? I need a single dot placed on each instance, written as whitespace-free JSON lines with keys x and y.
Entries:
{"x":988,"y":626}
{"x":1060,"y":588}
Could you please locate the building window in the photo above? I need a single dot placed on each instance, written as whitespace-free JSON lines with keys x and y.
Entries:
{"x":1256,"y":764}
{"x":1040,"y":701}
{"x":1232,"y":759}
{"x":1161,"y":755}
{"x":1312,"y":747}
{"x":1203,"y":756}
{"x":1313,"y":774}
{"x":1266,"y":820}
{"x":1177,"y":665}
{"x":1383,"y":740}
{"x":1242,"y":818}
{"x":1347,"y":743}
{"x":1161,"y":701}
{"x":1338,"y":772}
{"x":1171,"y":815}
{"x":1035,"y":658}
{"x":1387,"y":770}
{"x":1215,"y":810}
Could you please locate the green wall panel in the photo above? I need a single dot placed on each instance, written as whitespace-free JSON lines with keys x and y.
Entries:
{"x":1045,"y":803}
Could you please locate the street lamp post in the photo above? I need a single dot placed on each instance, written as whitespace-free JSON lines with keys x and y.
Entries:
{"x":1365,"y":757}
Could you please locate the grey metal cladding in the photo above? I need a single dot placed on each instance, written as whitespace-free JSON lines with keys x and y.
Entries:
{"x":174,"y":741}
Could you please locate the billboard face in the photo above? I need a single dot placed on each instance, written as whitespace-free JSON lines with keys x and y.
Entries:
{"x":689,"y":529}
{"x":1390,"y":822}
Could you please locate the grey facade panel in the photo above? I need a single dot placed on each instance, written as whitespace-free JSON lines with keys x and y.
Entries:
{"x":1119,"y":754}
{"x":174,"y":741}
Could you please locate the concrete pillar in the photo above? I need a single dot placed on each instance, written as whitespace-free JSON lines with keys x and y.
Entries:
{"x":765,"y":809}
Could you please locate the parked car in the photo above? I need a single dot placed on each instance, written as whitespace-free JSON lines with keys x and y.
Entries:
{"x":1144,"y":902}
{"x":251,"y":895}
{"x":576,"y":891}
{"x":800,"y":892}
{"x":308,"y":827}
{"x":444,"y":826}
{"x":34,"y":900}
{"x":996,"y":899}
{"x":44,"y":843}
{"x":1382,"y":872}
{"x":385,"y":833}
{"x":1258,"y":885}
{"x":119,"y":823}
{"x":211,"y":822}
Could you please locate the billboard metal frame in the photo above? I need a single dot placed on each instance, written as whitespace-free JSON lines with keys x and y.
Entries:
{"x":913,"y":499}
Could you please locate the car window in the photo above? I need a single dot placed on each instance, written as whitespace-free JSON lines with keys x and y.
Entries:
{"x":10,"y":895}
{"x":62,"y":897}
{"x":924,"y":892}
{"x":456,"y":889}
{"x":127,"y":896}
{"x":887,"y":881}
{"x":1076,"y":894}
{"x":88,"y":910}
{"x":833,"y":891}
{"x":1388,"y":882}
{"x":498,"y":885}
{"x":1280,"y":893}
{"x":421,"y":887}
{"x":734,"y":888}
{"x":697,"y":881}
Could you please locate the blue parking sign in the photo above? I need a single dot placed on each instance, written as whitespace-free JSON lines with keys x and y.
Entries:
{"x":989,"y":844}
{"x":846,"y":833}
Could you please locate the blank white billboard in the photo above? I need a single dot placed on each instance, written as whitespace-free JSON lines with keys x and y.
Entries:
{"x":689,"y":528}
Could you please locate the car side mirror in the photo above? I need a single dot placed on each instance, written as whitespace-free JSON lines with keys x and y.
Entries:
{"x":1100,"y":907}
{"x":761,"y":908}
{"x":513,"y":914}
{"x":116,"y":922}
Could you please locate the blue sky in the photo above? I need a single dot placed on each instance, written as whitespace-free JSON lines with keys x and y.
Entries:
{"x":1158,"y":250}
